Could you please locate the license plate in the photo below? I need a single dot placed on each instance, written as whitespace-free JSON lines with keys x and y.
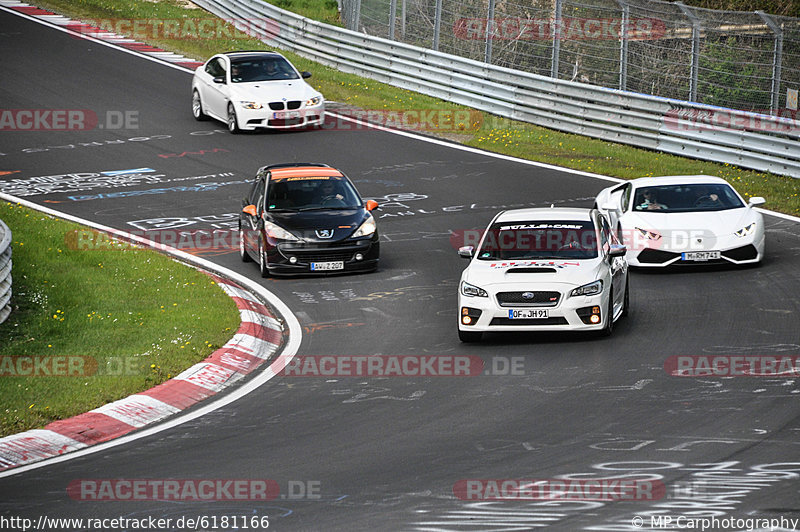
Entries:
{"x":286,"y":114}
{"x":701,"y":256}
{"x":528,"y":314}
{"x":327,"y":266}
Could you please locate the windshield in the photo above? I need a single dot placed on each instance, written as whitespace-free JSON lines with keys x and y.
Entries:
{"x":312,"y":193}
{"x":539,"y":240}
{"x":686,"y":198}
{"x":261,"y":69}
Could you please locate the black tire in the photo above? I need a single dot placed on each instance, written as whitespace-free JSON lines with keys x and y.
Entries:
{"x":469,"y":336}
{"x":233,"y":123}
{"x":242,"y":251}
{"x":609,"y":326}
{"x":627,"y":300}
{"x":197,"y":107}
{"x":262,"y":260}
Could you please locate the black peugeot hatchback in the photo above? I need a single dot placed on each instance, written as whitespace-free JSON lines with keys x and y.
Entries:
{"x":306,"y":218}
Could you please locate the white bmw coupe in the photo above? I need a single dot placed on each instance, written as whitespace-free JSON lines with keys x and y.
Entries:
{"x":684,"y":220}
{"x":250,"y":90}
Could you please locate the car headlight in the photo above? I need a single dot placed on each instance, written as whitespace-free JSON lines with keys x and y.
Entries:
{"x":650,"y":235}
{"x":251,"y":105}
{"x":746,"y":230}
{"x":472,"y":290}
{"x":588,"y":289}
{"x":313,"y":101}
{"x":367,"y":228}
{"x":278,"y":233}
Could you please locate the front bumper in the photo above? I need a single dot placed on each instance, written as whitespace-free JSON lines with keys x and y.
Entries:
{"x":733,"y":250}
{"x":564,"y":316}
{"x":279,"y":257}
{"x":266,"y":118}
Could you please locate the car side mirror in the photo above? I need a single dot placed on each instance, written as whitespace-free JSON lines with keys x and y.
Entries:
{"x":465,"y":252}
{"x":219,"y":79}
{"x":305,"y":74}
{"x":756,"y":200}
{"x":617,"y":250}
{"x":371,"y":205}
{"x":251,"y":210}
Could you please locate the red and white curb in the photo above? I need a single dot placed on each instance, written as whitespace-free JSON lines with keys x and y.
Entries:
{"x":259,"y":336}
{"x":89,"y":31}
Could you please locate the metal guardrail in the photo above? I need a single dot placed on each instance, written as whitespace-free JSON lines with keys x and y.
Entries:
{"x":5,"y":271}
{"x":760,"y":142}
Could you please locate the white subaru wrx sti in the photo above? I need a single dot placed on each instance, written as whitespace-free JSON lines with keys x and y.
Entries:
{"x":684,"y":220}
{"x":551,"y":269}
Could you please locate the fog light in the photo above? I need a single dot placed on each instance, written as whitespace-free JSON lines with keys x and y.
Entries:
{"x":359,"y":256}
{"x":466,"y":320}
{"x":595,"y":318}
{"x":293,"y":260}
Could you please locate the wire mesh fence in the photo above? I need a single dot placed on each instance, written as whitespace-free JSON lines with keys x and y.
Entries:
{"x":740,"y":60}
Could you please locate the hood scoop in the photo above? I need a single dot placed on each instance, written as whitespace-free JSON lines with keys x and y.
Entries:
{"x":531,"y":270}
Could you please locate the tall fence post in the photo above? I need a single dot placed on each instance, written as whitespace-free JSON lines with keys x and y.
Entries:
{"x":437,"y":24}
{"x":403,"y":19}
{"x":777,"y":59}
{"x":623,"y":46}
{"x":696,"y":27}
{"x":392,"y":15}
{"x":557,"y":31}
{"x":487,"y":56}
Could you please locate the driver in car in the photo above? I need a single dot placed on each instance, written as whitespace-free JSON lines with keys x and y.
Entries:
{"x":329,"y":192}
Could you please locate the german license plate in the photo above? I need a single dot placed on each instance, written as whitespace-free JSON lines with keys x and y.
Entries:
{"x":700,"y":256}
{"x":327,"y":266}
{"x":528,"y":314}
{"x":286,"y":114}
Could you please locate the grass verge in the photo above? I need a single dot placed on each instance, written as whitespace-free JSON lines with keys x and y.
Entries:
{"x":483,"y":130}
{"x":119,"y":321}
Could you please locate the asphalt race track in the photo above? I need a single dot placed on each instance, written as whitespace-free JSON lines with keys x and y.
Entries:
{"x":386,"y":453}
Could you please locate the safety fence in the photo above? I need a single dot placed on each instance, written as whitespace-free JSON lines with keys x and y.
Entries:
{"x":759,"y":141}
{"x":5,"y":271}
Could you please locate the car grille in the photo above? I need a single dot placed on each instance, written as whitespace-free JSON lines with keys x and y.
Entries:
{"x":294,"y":104}
{"x":656,"y":256}
{"x":321,"y":255}
{"x":540,"y":299}
{"x":748,"y":252}
{"x":276,"y":106}
{"x":545,"y":321}
{"x":285,"y":122}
